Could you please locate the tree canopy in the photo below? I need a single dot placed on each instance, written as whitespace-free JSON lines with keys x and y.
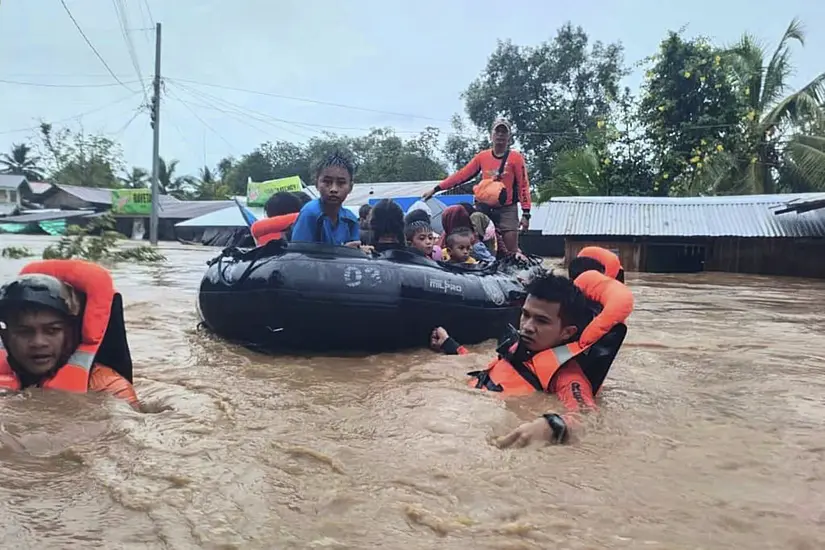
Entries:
{"x":708,"y":119}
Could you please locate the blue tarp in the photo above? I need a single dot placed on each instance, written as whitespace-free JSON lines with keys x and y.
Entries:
{"x":406,"y":202}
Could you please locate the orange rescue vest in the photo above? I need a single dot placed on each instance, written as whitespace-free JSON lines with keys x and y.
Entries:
{"x":612,"y":264}
{"x":269,"y":229}
{"x":96,"y":283}
{"x":535,"y":374}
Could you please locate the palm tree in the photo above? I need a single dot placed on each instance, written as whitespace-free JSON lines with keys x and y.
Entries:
{"x":19,"y":162}
{"x":777,"y":128}
{"x":575,"y":172}
{"x":171,"y":184}
{"x":209,"y":187}
{"x":138,"y":178}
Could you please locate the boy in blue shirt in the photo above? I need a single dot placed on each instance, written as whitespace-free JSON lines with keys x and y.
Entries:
{"x":325,"y":220}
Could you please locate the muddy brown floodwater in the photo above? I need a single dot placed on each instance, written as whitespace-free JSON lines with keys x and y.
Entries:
{"x":711,"y":436}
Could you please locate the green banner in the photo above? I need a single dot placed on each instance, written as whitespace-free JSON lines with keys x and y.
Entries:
{"x":257,"y":193}
{"x":132,"y":201}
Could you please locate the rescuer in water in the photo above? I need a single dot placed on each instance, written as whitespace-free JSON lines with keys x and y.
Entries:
{"x":568,"y":337}
{"x":61,"y":324}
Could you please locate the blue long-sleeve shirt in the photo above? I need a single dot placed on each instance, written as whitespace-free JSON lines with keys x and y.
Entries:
{"x":314,"y":226}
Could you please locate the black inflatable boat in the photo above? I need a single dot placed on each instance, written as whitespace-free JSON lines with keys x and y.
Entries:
{"x":319,"y":297}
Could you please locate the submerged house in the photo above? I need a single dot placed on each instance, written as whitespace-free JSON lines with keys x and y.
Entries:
{"x":11,"y":190}
{"x":738,"y":234}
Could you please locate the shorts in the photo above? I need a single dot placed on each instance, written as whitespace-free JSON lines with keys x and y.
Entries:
{"x":505,"y":218}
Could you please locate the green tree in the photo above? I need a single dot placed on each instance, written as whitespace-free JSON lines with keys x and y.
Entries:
{"x":77,"y":158}
{"x":20,"y":162}
{"x":783,"y":132}
{"x":209,"y":187}
{"x":138,"y":178}
{"x":692,"y":109}
{"x":554,"y":93}
{"x":463,"y":143}
{"x":170,"y":183}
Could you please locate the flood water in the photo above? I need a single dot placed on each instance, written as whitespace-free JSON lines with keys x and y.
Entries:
{"x":711,"y":436}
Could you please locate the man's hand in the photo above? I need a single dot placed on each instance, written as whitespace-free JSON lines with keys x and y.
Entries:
{"x":524,"y":225}
{"x":367,"y":249}
{"x":353,"y":244}
{"x":438,"y":337}
{"x":428,"y":195}
{"x":527,"y":433}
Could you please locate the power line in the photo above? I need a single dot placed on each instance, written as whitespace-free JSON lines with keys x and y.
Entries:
{"x":83,"y":34}
{"x":75,"y":117}
{"x":202,"y":121}
{"x":261,"y":117}
{"x":307,"y":100}
{"x":49,"y":85}
{"x":120,"y":13}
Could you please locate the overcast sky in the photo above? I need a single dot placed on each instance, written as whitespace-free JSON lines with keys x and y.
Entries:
{"x":409,"y":58}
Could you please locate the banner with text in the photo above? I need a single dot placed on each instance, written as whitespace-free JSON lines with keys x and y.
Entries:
{"x":258,"y":192}
{"x":132,"y":201}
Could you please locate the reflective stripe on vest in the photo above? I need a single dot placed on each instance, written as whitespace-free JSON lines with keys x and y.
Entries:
{"x":503,"y":377}
{"x":71,"y":377}
{"x":96,"y":283}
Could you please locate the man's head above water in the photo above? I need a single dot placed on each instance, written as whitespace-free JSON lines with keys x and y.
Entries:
{"x":553,"y":313}
{"x":40,"y":322}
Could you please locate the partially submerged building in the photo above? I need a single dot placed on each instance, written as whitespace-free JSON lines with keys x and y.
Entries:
{"x":739,"y":234}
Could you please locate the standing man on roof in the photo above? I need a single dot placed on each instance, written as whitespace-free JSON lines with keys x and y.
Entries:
{"x":504,"y":184}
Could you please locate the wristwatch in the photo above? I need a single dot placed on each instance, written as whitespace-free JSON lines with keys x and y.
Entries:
{"x":559,"y":427}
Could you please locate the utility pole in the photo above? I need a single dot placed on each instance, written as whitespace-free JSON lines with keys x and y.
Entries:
{"x":155,"y":115}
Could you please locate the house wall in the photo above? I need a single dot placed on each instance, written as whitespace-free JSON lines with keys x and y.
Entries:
{"x":794,"y":257}
{"x":791,"y":257}
{"x":61,"y":199}
{"x":10,"y":196}
{"x":630,"y":253}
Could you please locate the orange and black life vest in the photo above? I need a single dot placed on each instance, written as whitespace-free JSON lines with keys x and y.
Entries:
{"x":595,"y":349}
{"x":96,"y":283}
{"x":270,"y":229}
{"x":604,"y":334}
{"x":612,"y":265}
{"x":512,"y":376}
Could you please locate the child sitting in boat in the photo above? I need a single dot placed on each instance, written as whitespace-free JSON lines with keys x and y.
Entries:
{"x":419,"y":233}
{"x":325,"y":220}
{"x":459,"y":244}
{"x":387,"y":226}
{"x":281,"y":212}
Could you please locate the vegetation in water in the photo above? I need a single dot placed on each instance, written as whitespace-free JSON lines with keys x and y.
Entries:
{"x":99,"y":242}
{"x":16,"y":252}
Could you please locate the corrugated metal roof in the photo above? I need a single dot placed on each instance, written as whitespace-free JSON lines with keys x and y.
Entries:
{"x":729,"y":216}
{"x":363,"y":192}
{"x":39,"y":187}
{"x":186,"y":210}
{"x":101,"y":195}
{"x":34,"y":217}
{"x":11,"y":182}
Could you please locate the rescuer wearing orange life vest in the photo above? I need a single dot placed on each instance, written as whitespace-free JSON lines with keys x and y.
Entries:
{"x":546,"y":355}
{"x":61,"y":320}
{"x":282,"y":210}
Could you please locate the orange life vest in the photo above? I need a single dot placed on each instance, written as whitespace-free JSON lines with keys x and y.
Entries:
{"x":614,"y":297}
{"x":506,"y":376}
{"x":96,"y":283}
{"x":612,"y":264}
{"x":269,"y":229}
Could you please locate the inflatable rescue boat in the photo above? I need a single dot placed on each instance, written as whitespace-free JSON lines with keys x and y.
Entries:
{"x":308,"y":296}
